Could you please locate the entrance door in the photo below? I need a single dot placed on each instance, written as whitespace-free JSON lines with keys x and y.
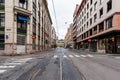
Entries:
{"x":110,"y":45}
{"x":118,"y":44}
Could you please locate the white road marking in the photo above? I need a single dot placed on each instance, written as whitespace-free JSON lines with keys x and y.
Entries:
{"x":13,"y":64}
{"x":2,"y":71}
{"x":71,"y":56}
{"x":89,"y":55}
{"x":55,"y":56}
{"x":7,"y":67}
{"x":77,"y":56}
{"x":117,"y":57}
{"x":65,"y":56}
{"x":83,"y":56}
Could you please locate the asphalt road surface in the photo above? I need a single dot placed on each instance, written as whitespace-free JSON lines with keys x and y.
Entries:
{"x":61,"y":64}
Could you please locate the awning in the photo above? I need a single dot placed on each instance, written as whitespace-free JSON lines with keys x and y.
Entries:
{"x":22,"y":18}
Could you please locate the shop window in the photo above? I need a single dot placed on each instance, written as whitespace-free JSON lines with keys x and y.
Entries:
{"x":109,"y":5}
{"x":23,"y":3}
{"x":101,"y":12}
{"x":109,"y":22}
{"x":101,"y":44}
{"x":2,"y":42}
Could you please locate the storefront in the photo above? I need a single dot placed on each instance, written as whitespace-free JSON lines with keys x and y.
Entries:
{"x":110,"y":43}
{"x":22,"y":21}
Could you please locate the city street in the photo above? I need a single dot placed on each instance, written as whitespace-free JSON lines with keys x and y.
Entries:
{"x":61,"y":64}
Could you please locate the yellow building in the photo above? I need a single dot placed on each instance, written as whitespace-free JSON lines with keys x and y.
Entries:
{"x":69,"y":38}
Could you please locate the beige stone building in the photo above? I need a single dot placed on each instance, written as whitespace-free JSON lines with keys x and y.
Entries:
{"x":24,"y":26}
{"x":53,"y":38}
{"x":69,"y":37}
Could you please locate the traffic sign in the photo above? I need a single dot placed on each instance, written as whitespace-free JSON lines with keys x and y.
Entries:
{"x":7,"y":36}
{"x":89,"y":40}
{"x":33,"y":37}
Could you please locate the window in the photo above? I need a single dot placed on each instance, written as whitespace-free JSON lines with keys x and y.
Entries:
{"x":101,"y":1}
{"x":2,"y":1}
{"x":91,"y":1}
{"x":87,"y":24}
{"x":2,"y":5}
{"x":101,"y":27}
{"x":95,"y":17}
{"x":85,"y":10}
{"x":95,"y":29}
{"x":87,"y":15}
{"x":101,"y":12}
{"x":82,"y":21}
{"x":109,"y":22}
{"x":109,"y":5}
{"x":91,"y":11}
{"x":88,"y":6}
{"x":82,"y":13}
{"x":91,"y":21}
{"x":2,"y":19}
{"x":82,"y":29}
{"x":90,"y":32}
{"x":85,"y":18}
{"x":95,"y":6}
{"x":23,"y":4}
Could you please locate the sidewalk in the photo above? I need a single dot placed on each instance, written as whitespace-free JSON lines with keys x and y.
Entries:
{"x":4,"y":58}
{"x":86,"y":52}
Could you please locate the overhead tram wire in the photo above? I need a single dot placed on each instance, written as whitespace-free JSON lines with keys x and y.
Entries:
{"x":55,"y":17}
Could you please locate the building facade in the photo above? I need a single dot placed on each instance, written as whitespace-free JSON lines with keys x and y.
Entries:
{"x":98,"y":26}
{"x":53,"y":38}
{"x":74,"y":33}
{"x":69,"y":37}
{"x":23,"y":25}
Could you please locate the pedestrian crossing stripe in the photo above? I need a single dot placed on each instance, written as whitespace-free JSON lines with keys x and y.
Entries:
{"x":65,"y":56}
{"x":2,"y":71}
{"x":4,"y":66}
{"x":77,"y":55}
{"x":83,"y":56}
{"x":71,"y":56}
{"x":12,"y":64}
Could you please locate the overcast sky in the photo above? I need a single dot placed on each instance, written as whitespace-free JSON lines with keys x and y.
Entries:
{"x":64,"y":13}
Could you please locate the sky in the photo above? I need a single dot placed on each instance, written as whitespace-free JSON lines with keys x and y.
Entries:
{"x":64,"y":13}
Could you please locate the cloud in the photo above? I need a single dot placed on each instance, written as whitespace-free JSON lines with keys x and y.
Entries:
{"x":64,"y":12}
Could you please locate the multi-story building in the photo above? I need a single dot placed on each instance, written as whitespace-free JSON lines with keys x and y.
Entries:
{"x":53,"y":38}
{"x":98,"y":25}
{"x":41,"y":23}
{"x":23,"y":25}
{"x":69,"y":37}
{"x":75,"y":27}
{"x":60,"y":43}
